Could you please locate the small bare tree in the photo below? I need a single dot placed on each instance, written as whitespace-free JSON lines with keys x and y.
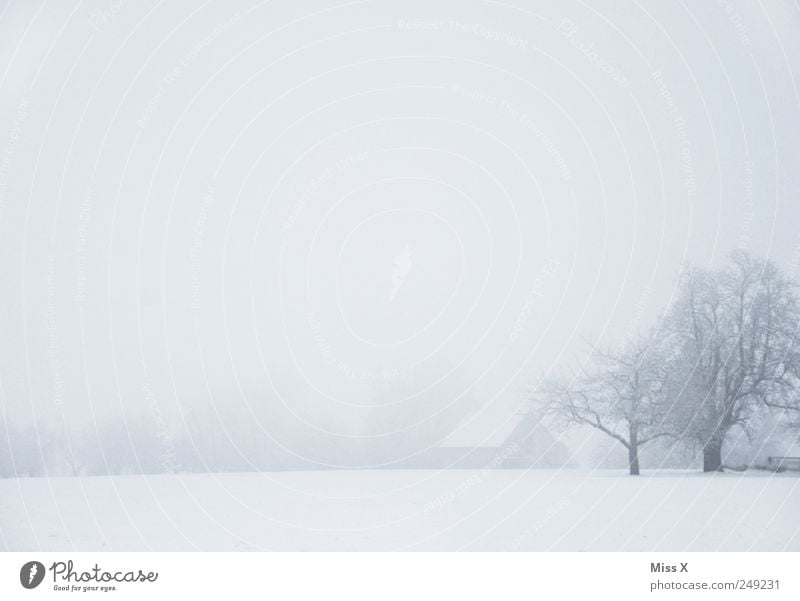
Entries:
{"x":621,"y":394}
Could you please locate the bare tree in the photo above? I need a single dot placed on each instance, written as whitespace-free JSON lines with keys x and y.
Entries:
{"x":738,"y":327}
{"x":621,"y":394}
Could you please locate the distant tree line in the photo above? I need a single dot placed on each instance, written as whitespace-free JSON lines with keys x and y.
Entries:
{"x":725,"y":349}
{"x":132,"y":444}
{"x":232,"y":434}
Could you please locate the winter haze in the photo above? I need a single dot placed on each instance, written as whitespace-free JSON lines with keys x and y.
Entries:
{"x":247,"y":246}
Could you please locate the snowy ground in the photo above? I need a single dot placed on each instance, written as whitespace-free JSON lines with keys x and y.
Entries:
{"x":416,"y":510}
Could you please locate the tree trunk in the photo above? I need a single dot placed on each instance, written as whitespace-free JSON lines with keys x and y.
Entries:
{"x":712,"y":456}
{"x":633,"y":451}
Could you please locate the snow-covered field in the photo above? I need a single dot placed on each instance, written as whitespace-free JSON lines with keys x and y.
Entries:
{"x":414,"y":510}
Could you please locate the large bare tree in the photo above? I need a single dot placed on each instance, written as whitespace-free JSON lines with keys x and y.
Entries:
{"x":739,"y":331}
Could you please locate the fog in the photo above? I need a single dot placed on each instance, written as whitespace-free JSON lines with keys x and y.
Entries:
{"x":342,"y":228}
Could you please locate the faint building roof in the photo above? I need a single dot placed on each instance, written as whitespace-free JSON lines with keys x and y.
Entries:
{"x":480,"y":429}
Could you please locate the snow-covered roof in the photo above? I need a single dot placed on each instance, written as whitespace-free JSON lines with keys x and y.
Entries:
{"x":481,"y":429}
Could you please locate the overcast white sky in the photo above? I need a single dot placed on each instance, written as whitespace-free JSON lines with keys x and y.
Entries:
{"x":208,"y":202}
